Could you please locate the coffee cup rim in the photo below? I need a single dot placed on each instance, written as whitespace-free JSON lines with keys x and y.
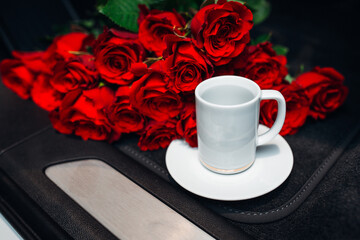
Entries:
{"x":230,"y":77}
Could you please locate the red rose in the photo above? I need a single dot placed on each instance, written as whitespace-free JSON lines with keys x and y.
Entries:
{"x":261,"y":64}
{"x":115,"y":53}
{"x":150,"y":96}
{"x":77,"y":72}
{"x":83,"y":113}
{"x":187,"y":124}
{"x":34,"y":61}
{"x":67,"y":46}
{"x":44,"y":95}
{"x":123,"y":117}
{"x":222,"y":30}
{"x":19,"y":73}
{"x":158,"y":135}
{"x":185,"y":65}
{"x":297,"y":108}
{"x":155,"y":25}
{"x":325,"y":89}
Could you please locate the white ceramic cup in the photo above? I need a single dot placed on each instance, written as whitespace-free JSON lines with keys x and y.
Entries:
{"x":227,"y":116}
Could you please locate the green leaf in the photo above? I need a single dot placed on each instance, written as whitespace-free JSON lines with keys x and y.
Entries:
{"x":261,"y":14}
{"x":255,"y":4}
{"x":260,"y":39}
{"x":289,"y":78}
{"x":123,"y":12}
{"x":260,"y":8}
{"x":240,"y":1}
{"x":280,"y":50}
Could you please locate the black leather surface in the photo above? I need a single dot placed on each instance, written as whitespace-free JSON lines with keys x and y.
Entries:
{"x":18,"y":118}
{"x":315,"y":148}
{"x":25,"y":162}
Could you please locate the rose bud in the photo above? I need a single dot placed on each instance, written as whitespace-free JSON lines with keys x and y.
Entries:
{"x":158,"y":135}
{"x":122,"y":115}
{"x":222,"y":30}
{"x":115,"y":53}
{"x":151,"y":97}
{"x":154,"y":25}
{"x":19,"y":73}
{"x":82,"y":112}
{"x":261,"y":64}
{"x":185,"y":64}
{"x":325,"y":89}
{"x":65,"y":46}
{"x":44,"y":95}
{"x":297,"y":108}
{"x":77,"y":72}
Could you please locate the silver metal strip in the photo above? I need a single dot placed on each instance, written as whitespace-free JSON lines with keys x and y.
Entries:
{"x":124,"y":208}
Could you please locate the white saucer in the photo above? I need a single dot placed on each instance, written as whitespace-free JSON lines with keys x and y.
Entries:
{"x":271,"y":168}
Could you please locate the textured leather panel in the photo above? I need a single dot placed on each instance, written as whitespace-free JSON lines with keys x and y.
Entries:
{"x":25,"y":164}
{"x":316,"y":148}
{"x":18,"y":118}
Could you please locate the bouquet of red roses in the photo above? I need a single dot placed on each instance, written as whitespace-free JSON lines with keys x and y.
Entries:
{"x":124,"y":82}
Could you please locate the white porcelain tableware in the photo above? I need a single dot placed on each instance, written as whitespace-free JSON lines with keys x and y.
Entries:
{"x":273,"y":164}
{"x":227,"y":116}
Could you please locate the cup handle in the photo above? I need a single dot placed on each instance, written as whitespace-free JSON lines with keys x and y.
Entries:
{"x":280,"y":118}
